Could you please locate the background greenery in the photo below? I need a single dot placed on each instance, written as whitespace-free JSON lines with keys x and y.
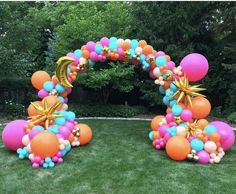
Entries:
{"x":33,"y":35}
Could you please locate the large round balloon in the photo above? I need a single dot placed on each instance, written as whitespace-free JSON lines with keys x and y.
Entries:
{"x":177,"y":148}
{"x":195,"y":66}
{"x":227,"y":136}
{"x":32,"y":111}
{"x":200,"y":108}
{"x":155,"y":122}
{"x":39,"y":78}
{"x":45,"y":144}
{"x":85,"y":134}
{"x":13,"y":133}
{"x":52,"y":100}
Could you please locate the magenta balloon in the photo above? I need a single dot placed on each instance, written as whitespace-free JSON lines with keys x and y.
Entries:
{"x":42,"y":93}
{"x":13,"y":133}
{"x":170,"y":117}
{"x":90,"y":46}
{"x":76,"y":59}
{"x":33,"y":133}
{"x":186,"y":115}
{"x":195,"y":66}
{"x":160,"y":53}
{"x":65,"y":132}
{"x":94,"y":56}
{"x":170,"y":65}
{"x":204,"y":157}
{"x":162,"y":130}
{"x":151,"y":75}
{"x":227,"y":136}
{"x":104,"y":41}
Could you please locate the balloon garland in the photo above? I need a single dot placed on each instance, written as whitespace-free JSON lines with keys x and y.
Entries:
{"x":183,"y":132}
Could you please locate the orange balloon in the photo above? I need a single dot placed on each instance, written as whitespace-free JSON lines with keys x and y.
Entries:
{"x":201,"y":107}
{"x":54,"y":79}
{"x":83,"y":48}
{"x":71,"y":138}
{"x":156,"y":135}
{"x":126,"y":46}
{"x":202,"y":123}
{"x":52,"y":100}
{"x":153,"y":66}
{"x":167,"y":84}
{"x":64,"y":94}
{"x":142,"y":43}
{"x":45,"y":144}
{"x":85,"y":134}
{"x":155,"y":122}
{"x":39,"y":78}
{"x":214,"y":137}
{"x":177,"y":148}
{"x":85,"y":54}
{"x":32,"y":111}
{"x":168,"y":110}
{"x":147,"y":50}
{"x":167,"y":58}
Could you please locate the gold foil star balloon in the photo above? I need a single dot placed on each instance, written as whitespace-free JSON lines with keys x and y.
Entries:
{"x":185,"y":91}
{"x":46,"y":113}
{"x":193,"y":129}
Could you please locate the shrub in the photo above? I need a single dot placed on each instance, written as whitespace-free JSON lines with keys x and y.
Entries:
{"x":232,"y":117}
{"x":14,"y":110}
{"x":106,"y":110}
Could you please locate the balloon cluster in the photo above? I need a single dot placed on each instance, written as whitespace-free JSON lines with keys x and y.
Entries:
{"x":52,"y":130}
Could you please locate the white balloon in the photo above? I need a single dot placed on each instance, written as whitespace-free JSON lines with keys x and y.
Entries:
{"x":26,"y":140}
{"x":181,"y":131}
{"x":156,"y":72}
{"x":210,"y":146}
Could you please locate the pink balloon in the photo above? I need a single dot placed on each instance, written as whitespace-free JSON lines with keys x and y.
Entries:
{"x":162,"y":130}
{"x":227,"y":136}
{"x":167,"y":137}
{"x":94,"y":56}
{"x":160,"y":53}
{"x":170,"y":65}
{"x":90,"y":46}
{"x":68,"y":90}
{"x":120,"y":51}
{"x":76,"y":59}
{"x":170,"y":117}
{"x":65,"y":132}
{"x":104,"y":41}
{"x":13,"y":133}
{"x":186,"y":115}
{"x":195,"y":66}
{"x":42,"y":93}
{"x":204,"y":157}
{"x":33,"y":133}
{"x":151,"y":75}
{"x":69,"y":125}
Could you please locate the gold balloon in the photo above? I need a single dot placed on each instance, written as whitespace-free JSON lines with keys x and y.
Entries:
{"x":61,"y":70}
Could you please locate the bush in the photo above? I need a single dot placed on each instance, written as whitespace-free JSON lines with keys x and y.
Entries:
{"x":106,"y":110}
{"x":14,"y":110}
{"x":232,"y":117}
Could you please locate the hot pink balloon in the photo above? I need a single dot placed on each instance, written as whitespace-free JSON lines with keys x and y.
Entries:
{"x":90,"y":46}
{"x":151,"y":75}
{"x":33,"y":133}
{"x":65,"y":132}
{"x":204,"y":157}
{"x":170,"y":117}
{"x":195,"y":66}
{"x":160,"y":53}
{"x":104,"y":41}
{"x":76,"y":59}
{"x":227,"y":136}
{"x":42,"y":93}
{"x":13,"y":133}
{"x":170,"y":65}
{"x":94,"y":56}
{"x":162,"y":130}
{"x":186,"y":115}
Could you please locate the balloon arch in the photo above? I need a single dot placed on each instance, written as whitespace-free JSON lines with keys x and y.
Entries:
{"x":183,"y":132}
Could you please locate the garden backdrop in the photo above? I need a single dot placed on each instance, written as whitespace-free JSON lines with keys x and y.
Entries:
{"x":33,"y":35}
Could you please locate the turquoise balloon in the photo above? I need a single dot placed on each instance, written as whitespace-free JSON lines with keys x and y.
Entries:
{"x":61,"y":99}
{"x":48,"y":86}
{"x":165,"y":100}
{"x":161,"y":61}
{"x":176,"y":110}
{"x":173,"y":87}
{"x":54,"y":129}
{"x":98,"y":48}
{"x":172,"y":103}
{"x":48,"y":160}
{"x":78,"y":53}
{"x":150,"y":135}
{"x":142,"y":57}
{"x":210,"y":129}
{"x":60,"y":121}
{"x":162,"y":90}
{"x":134,"y":44}
{"x":91,"y":63}
{"x":197,"y":145}
{"x":40,"y":128}
{"x":113,"y":39}
{"x":113,"y":46}
{"x":60,"y":88}
{"x":70,"y":115}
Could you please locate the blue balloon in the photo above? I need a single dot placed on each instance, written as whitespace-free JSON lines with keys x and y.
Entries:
{"x":38,"y":127}
{"x":131,"y":52}
{"x":51,"y":164}
{"x":210,"y":129}
{"x":145,"y":65}
{"x":172,"y":131}
{"x":172,"y":103}
{"x":61,"y":99}
{"x":150,"y":135}
{"x":197,"y":145}
{"x":48,"y":86}
{"x":68,"y":71}
{"x":63,"y":152}
{"x":161,"y":61}
{"x":134,"y":43}
{"x":142,"y":57}
{"x":45,"y":165}
{"x":169,"y":93}
{"x":60,"y":121}
{"x":91,"y":63}
{"x":60,"y":88}
{"x":113,"y":39}
{"x":98,"y":48}
{"x":173,"y":87}
{"x":54,"y":129}
{"x":113,"y":46}
{"x":78,"y":53}
{"x":165,"y":100}
{"x":162,"y":90}
{"x":62,"y":112}
{"x":176,"y":109}
{"x":68,"y":147}
{"x":70,"y":115}
{"x":48,"y":160}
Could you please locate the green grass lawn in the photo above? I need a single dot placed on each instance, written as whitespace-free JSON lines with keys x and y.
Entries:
{"x":120,"y":159}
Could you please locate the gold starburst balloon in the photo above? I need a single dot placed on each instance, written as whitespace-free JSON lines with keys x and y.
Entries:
{"x":193,"y":129}
{"x":46,"y":114}
{"x":185,"y":91}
